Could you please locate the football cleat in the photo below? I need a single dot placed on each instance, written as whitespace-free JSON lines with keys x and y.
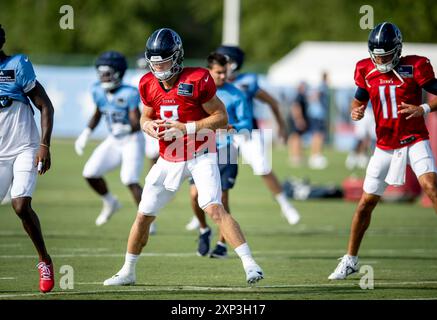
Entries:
{"x":108,"y":210}
{"x":204,"y":243}
{"x":46,"y":277}
{"x":219,"y":252}
{"x":120,"y":280}
{"x":253,"y":273}
{"x":193,"y":224}
{"x":346,"y":267}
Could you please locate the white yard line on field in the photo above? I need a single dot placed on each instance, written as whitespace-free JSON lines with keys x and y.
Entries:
{"x":135,"y":289}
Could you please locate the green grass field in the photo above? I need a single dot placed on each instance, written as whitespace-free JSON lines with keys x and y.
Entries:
{"x":400,"y":246}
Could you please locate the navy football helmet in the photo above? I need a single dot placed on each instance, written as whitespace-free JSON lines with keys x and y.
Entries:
{"x":162,"y":46}
{"x":385,"y":40}
{"x":2,"y":37}
{"x":111,"y":66}
{"x":234,"y":54}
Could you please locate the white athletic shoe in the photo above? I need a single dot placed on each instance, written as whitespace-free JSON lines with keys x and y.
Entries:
{"x":253,"y":273}
{"x":317,"y":162}
{"x":107,"y":212}
{"x":346,"y":267}
{"x":193,"y":224}
{"x":120,"y":280}
{"x":291,"y":215}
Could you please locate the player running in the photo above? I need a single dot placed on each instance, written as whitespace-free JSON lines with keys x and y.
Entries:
{"x":240,"y":120}
{"x":118,"y":103}
{"x":254,"y":150}
{"x":394,"y":86}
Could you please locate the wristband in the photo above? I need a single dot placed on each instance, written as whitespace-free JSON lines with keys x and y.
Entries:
{"x":44,"y":145}
{"x":190,"y":127}
{"x":426,"y":108}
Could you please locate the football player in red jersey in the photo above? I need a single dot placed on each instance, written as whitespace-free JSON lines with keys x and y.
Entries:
{"x":182,"y":110}
{"x":394,"y":86}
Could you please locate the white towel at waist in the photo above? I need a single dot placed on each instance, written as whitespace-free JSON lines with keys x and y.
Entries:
{"x":398,"y":165}
{"x":175,"y":175}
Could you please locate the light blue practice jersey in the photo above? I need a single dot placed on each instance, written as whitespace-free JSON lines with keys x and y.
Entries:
{"x":16,"y":77}
{"x":18,"y":131}
{"x":248,"y":84}
{"x":116,"y":106}
{"x":239,"y":115}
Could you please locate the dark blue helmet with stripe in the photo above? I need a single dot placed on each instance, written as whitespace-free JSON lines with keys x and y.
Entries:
{"x":111,"y":66}
{"x":234,"y":54}
{"x":2,"y":37}
{"x":385,"y":46}
{"x":162,"y":46}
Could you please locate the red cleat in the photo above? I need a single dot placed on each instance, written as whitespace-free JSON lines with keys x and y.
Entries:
{"x":46,"y":277}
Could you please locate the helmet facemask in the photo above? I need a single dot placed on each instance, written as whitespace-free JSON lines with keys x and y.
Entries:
{"x":387,"y":66}
{"x":175,"y":68}
{"x":109,"y":78}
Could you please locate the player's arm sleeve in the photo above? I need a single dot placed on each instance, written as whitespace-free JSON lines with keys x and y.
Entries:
{"x":254,"y":86}
{"x":423,"y":71}
{"x":207,"y":88}
{"x":244,"y":119}
{"x":25,"y":74}
{"x":96,"y":97}
{"x":134,"y":100}
{"x":431,"y":86}
{"x":361,"y":94}
{"x":142,"y":88}
{"x":359,"y":77}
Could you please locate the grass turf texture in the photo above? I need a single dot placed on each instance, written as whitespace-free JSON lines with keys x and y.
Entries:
{"x":400,"y":244}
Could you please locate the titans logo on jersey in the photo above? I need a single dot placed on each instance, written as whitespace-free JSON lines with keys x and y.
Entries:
{"x":116,"y":106}
{"x":16,"y":78}
{"x":387,"y":91}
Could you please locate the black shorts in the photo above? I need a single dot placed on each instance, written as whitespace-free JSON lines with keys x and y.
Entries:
{"x":292,"y":127}
{"x":228,"y":176}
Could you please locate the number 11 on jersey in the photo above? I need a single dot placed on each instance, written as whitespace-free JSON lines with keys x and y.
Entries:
{"x":394,"y":106}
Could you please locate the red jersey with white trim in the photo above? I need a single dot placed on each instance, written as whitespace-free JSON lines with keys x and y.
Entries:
{"x":183,"y":103}
{"x":387,"y":91}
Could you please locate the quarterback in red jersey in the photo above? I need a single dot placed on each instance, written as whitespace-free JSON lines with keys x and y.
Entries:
{"x":180,"y":107}
{"x":183,"y":103}
{"x":393,"y":84}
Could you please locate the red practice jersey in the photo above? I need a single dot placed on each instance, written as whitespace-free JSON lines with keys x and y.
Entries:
{"x":183,"y":103}
{"x":387,"y":91}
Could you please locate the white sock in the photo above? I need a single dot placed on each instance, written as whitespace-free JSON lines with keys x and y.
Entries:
{"x":130,"y":262}
{"x":283,"y":201}
{"x":245,"y":255}
{"x":108,"y":198}
{"x":203,"y":230}
{"x":221,"y":244}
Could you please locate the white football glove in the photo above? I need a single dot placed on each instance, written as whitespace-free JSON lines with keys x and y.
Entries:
{"x":81,"y":141}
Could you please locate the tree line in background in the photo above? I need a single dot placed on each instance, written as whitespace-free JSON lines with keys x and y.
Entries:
{"x":269,"y":28}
